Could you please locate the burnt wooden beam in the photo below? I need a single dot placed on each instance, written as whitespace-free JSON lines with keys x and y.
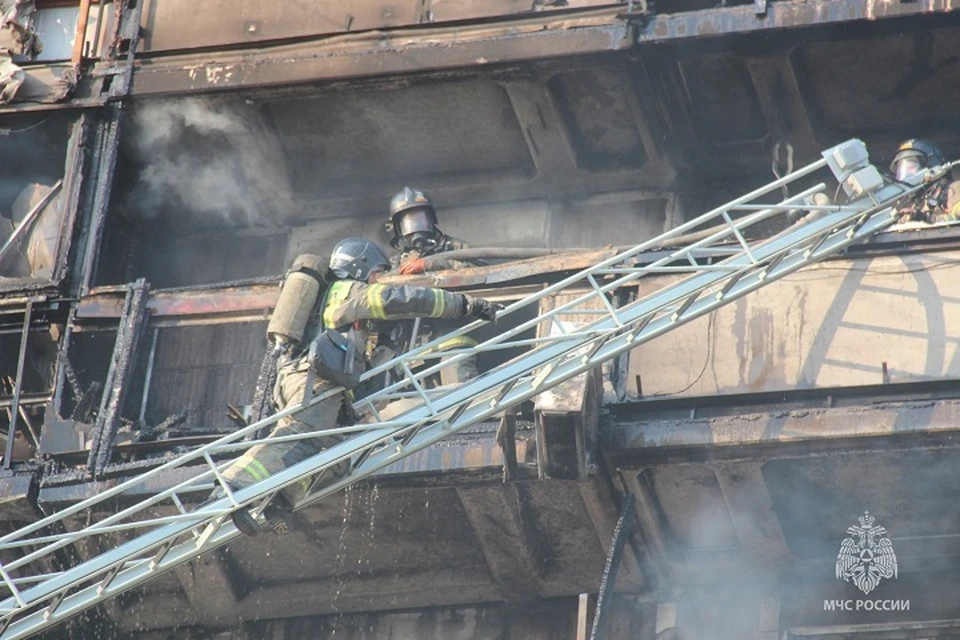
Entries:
{"x":118,"y":377}
{"x":215,"y":303}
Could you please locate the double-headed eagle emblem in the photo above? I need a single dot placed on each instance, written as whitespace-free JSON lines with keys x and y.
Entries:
{"x":863,"y":558}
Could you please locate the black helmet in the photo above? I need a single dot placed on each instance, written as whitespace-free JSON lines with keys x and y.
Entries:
{"x":420,"y":218}
{"x":914,"y":155}
{"x":356,"y":258}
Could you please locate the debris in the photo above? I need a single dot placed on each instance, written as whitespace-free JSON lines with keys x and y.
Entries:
{"x":37,"y":210}
{"x":161,"y":430}
{"x":11,"y":77}
{"x":18,"y":31}
{"x":236,"y":415}
{"x":18,"y":37}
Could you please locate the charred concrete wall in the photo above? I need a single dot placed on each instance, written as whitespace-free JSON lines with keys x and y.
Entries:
{"x":868,"y":321}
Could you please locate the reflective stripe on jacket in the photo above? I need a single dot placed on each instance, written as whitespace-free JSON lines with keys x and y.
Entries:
{"x":347,"y":301}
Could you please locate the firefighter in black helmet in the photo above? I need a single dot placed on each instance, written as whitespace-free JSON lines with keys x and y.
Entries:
{"x":414,"y":232}
{"x":940,"y":202}
{"x":347,"y":300}
{"x":413,"y":225}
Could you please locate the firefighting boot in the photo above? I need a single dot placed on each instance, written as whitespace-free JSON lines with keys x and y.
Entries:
{"x":243,"y":518}
{"x":278,"y":515}
{"x":246,"y":522}
{"x":278,"y":519}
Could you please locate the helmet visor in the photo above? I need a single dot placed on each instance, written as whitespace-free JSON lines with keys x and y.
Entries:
{"x":906,"y":167}
{"x":414,"y":221}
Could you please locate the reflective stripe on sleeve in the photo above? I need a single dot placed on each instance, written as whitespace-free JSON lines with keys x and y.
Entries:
{"x":375,"y":301}
{"x":439,"y":304}
{"x":335,"y":297}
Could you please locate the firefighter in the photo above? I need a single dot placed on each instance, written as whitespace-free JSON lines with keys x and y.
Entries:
{"x":345,"y":298}
{"x":414,"y":230}
{"x":941,"y":201}
{"x":415,"y":234}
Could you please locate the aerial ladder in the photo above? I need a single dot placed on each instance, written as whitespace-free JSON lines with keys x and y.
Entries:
{"x":41,"y":587}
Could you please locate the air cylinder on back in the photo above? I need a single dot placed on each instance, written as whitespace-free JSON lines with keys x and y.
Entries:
{"x":298,"y":295}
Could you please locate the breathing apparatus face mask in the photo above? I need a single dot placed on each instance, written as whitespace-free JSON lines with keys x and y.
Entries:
{"x":417,"y":229}
{"x":907,"y":167}
{"x":420,"y":241}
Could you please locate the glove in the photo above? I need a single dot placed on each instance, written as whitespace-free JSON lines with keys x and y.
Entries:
{"x":410,"y":267}
{"x":481,"y":308}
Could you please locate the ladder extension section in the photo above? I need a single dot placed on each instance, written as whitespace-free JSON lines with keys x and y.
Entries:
{"x":117,"y":550}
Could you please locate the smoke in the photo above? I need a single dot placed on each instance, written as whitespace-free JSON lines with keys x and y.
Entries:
{"x":207,"y":161}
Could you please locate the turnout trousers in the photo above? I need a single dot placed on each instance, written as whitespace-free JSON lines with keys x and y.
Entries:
{"x":263,"y":460}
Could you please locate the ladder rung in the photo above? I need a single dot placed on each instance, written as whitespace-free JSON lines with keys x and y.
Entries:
{"x":366,"y":453}
{"x":734,"y":279}
{"x":459,"y":412}
{"x":158,"y":557}
{"x":109,"y":578}
{"x":596,"y":347}
{"x":200,"y":542}
{"x":819,"y":243}
{"x":542,"y":375}
{"x":773,"y":264}
{"x":678,"y":314}
{"x":54,"y":604}
{"x":500,"y":396}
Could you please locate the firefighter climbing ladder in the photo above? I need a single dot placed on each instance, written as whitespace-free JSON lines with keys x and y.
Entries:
{"x":140,"y":541}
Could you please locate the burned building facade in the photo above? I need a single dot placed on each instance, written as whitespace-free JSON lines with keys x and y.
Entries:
{"x":165,"y":161}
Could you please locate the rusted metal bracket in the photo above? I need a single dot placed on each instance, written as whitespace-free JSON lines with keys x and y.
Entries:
{"x":565,"y":424}
{"x":118,"y":375}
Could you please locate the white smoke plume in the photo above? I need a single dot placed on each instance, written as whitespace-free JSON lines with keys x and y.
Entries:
{"x":208,"y":161}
